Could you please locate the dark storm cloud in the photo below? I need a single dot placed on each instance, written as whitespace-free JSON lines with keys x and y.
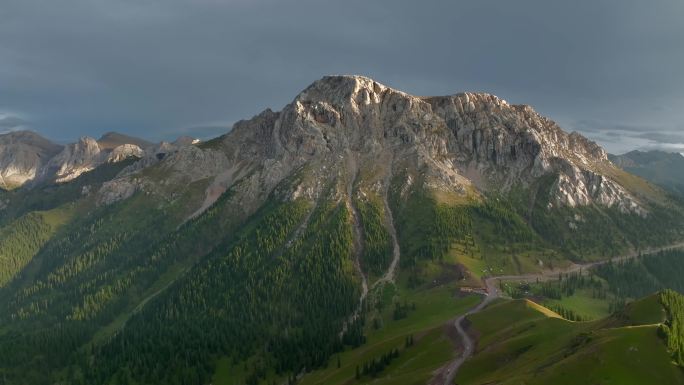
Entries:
{"x":156,"y":68}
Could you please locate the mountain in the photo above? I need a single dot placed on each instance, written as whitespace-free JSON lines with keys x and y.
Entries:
{"x":28,"y":157}
{"x":112,"y":140}
{"x":352,"y":215}
{"x":665,"y":169}
{"x":357,"y":138}
{"x":22,"y":155}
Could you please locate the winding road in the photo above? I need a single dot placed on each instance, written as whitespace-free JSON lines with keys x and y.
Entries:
{"x":492,"y":293}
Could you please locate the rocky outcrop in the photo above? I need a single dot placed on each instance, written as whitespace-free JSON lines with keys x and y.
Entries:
{"x":175,"y":164}
{"x":74,"y":160}
{"x":124,"y":152}
{"x":185,"y":141}
{"x":23,"y":154}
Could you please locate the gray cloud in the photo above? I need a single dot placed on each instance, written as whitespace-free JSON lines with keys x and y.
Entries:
{"x":156,"y":68}
{"x":664,"y":137}
{"x":11,"y":123}
{"x":619,"y":138}
{"x":599,"y":126}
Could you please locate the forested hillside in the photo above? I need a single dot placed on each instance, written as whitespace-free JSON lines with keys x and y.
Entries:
{"x":645,"y":275}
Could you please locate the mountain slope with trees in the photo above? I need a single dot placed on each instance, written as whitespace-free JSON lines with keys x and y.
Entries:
{"x":264,"y":253}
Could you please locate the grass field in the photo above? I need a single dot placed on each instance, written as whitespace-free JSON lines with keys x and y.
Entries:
{"x":500,"y":260}
{"x":583,"y":304}
{"x":524,"y":344}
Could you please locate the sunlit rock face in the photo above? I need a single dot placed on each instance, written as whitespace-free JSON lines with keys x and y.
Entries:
{"x":26,"y":157}
{"x":344,"y":125}
{"x":23,"y":154}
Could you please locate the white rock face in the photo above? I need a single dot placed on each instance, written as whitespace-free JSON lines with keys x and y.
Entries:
{"x":123,"y":152}
{"x":75,"y":159}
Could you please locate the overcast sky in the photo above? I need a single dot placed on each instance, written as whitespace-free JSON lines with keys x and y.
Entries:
{"x":611,"y":69}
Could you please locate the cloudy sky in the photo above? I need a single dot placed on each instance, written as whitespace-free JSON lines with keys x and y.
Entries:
{"x":611,"y":69}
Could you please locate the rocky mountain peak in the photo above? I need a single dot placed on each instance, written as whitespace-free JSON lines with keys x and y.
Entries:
{"x":461,"y":139}
{"x":28,"y":138}
{"x":353,"y":125}
{"x":75,"y":159}
{"x":22,"y":156}
{"x":343,"y":90}
{"x":123,"y":152}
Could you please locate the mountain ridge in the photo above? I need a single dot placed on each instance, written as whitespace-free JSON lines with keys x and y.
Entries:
{"x":471,"y":140}
{"x":662,"y":168}
{"x":29,"y":158}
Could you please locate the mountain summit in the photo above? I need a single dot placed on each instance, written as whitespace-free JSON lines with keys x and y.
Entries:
{"x":468,"y":143}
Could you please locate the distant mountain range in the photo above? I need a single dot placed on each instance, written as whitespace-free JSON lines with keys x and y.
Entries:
{"x":303,"y":239}
{"x":662,"y":168}
{"x":28,"y":158}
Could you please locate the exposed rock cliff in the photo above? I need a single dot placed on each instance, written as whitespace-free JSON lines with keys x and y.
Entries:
{"x":123,"y":152}
{"x":343,"y":125}
{"x":74,"y":160}
{"x":22,"y":156}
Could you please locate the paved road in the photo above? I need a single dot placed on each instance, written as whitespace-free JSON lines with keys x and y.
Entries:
{"x":491,"y":284}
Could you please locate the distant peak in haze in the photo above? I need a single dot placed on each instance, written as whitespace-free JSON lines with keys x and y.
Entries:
{"x":111,"y":140}
{"x":24,"y":135}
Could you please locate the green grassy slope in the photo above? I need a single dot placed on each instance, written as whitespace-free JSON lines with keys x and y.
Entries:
{"x":521,"y":343}
{"x":435,"y":306}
